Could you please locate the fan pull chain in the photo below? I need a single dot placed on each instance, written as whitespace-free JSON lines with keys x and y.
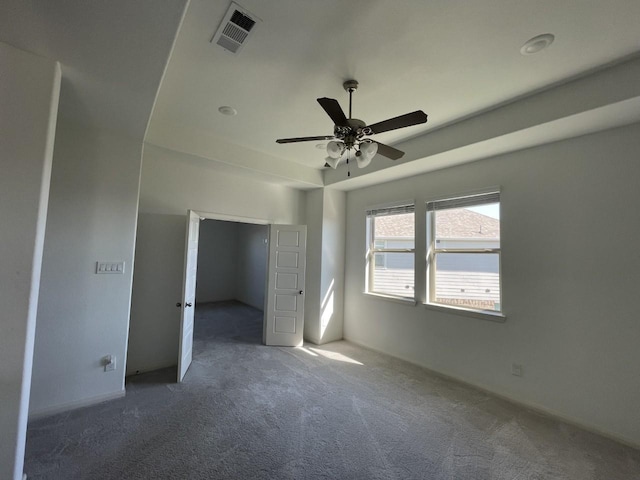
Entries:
{"x":348,"y":167}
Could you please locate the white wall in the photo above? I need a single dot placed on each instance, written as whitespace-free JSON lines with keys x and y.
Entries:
{"x":572,"y":318}
{"x":312,"y":296}
{"x":172,"y":183}
{"x":29,"y":93}
{"x":333,"y":260}
{"x":155,"y":319}
{"x":324,"y":297}
{"x":218,"y":261}
{"x":83,"y":316}
{"x":252,"y":264}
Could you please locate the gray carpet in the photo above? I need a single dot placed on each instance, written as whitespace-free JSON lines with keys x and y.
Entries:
{"x":246,"y":411}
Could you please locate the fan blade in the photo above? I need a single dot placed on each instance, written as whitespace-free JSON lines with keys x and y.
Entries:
{"x":334,"y":110}
{"x":407,"y":120}
{"x":304,"y":139}
{"x":389,"y":152}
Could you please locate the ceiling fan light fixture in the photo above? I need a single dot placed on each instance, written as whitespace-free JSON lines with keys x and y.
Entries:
{"x":350,"y":133}
{"x":363,"y":161}
{"x":366,"y":153}
{"x":369,"y":149}
{"x":332,"y":162}
{"x":335,"y":149}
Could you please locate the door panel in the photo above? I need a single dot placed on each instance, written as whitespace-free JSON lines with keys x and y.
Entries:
{"x":284,"y":303}
{"x":188,"y":294}
{"x":285,"y":325}
{"x":286,"y":280}
{"x":287,"y":260}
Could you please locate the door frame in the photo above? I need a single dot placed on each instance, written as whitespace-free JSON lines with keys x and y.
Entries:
{"x":238,"y":219}
{"x":232,"y":218}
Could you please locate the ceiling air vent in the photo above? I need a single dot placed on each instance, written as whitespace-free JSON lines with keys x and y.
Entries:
{"x":235,"y":28}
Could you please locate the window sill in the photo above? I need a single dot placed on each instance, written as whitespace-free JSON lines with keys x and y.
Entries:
{"x":391,"y":298}
{"x":465,"y":312}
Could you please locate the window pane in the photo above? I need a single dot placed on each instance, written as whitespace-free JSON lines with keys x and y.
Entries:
{"x":397,"y":276}
{"x":468,"y":227}
{"x":395,"y":229}
{"x":392,"y":273}
{"x":470,"y":280}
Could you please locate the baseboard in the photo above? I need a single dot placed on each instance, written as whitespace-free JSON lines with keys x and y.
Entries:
{"x":311,"y":340}
{"x":65,"y":407}
{"x":152,"y":368}
{"x":542,"y":410}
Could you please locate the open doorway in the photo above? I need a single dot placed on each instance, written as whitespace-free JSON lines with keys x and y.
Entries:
{"x":228,"y":257}
{"x":232,"y":263}
{"x":231,"y":281}
{"x":285,"y":276}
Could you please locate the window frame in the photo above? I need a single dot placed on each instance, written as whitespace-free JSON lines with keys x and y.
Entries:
{"x":370,"y":263}
{"x":379,"y":250}
{"x":447,"y":203}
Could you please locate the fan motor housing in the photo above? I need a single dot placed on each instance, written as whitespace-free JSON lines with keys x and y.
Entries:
{"x":351,"y":131}
{"x":355,"y":123}
{"x":352,"y":126}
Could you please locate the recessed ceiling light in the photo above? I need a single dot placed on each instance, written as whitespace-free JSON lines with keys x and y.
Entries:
{"x":536,"y":44}
{"x":227,"y":110}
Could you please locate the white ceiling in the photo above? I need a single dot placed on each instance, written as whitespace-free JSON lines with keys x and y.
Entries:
{"x":451,"y":59}
{"x":113,"y":53}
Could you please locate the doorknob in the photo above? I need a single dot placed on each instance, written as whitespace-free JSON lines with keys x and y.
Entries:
{"x":178,"y":304}
{"x":187,"y":304}
{"x":301,"y":292}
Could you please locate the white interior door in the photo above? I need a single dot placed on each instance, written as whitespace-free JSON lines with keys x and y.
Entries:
{"x":284,"y":303}
{"x":188,"y":294}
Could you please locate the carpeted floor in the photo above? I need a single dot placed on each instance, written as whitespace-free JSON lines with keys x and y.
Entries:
{"x":246,"y":411}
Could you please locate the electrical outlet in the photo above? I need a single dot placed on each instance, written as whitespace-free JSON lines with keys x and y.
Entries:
{"x":516,"y":369}
{"x":109,"y":363}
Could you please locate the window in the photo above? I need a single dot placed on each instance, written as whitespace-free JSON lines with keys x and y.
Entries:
{"x":463,"y":259}
{"x":390,"y":251}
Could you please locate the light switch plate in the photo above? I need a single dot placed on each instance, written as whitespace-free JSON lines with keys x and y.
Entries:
{"x":110,"y":267}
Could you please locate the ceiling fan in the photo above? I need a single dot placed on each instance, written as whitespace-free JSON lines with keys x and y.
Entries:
{"x":352,"y":134}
